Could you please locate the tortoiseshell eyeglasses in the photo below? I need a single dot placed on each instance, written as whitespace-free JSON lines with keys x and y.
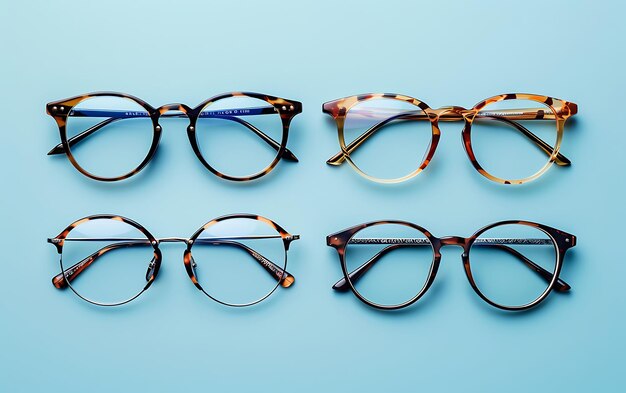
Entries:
{"x":391,"y":264}
{"x":236,"y":260}
{"x":509,"y":138}
{"x":237,"y":136}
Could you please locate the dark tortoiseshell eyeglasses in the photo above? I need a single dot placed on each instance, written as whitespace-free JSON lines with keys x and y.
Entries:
{"x":509,"y":138}
{"x":391,"y":264}
{"x":237,"y":260}
{"x":237,"y":136}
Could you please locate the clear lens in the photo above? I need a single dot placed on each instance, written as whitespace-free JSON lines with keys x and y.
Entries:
{"x":106,"y":261}
{"x":503,"y":263}
{"x":118,"y":134}
{"x":501,"y":141}
{"x":239,"y":136}
{"x":400,"y":136}
{"x":389,"y":264}
{"x":237,"y":260}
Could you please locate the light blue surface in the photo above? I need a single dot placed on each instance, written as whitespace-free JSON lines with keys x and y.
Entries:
{"x":308,"y":338}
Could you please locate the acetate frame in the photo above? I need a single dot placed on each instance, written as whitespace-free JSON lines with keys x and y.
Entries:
{"x":560,"y":111}
{"x":287,"y":109}
{"x":562,"y":242}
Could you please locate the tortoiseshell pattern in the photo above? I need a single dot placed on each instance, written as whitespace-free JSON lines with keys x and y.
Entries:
{"x":287,"y":109}
{"x":66,"y":276}
{"x":560,"y":111}
{"x":561,"y":240}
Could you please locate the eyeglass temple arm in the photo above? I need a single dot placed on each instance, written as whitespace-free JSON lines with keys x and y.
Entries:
{"x":340,"y":157}
{"x":121,"y":115}
{"x":342,"y":284}
{"x":560,"y":160}
{"x":60,"y":280}
{"x":282,"y":276}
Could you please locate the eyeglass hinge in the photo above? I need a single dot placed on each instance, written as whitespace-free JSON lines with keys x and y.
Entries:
{"x":292,"y":237}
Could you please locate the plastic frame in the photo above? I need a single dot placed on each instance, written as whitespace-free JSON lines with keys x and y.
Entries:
{"x":62,"y":109}
{"x":561,"y":240}
{"x":66,"y":276}
{"x":560,"y":111}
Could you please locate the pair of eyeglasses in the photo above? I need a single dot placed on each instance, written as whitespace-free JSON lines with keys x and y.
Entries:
{"x":111,"y":136}
{"x":512,"y":265}
{"x":509,"y":138}
{"x":236,"y":260}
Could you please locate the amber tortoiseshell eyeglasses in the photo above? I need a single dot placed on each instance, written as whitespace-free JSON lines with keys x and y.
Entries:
{"x":237,"y":260}
{"x":509,"y":138}
{"x":237,"y":136}
{"x":391,"y":264}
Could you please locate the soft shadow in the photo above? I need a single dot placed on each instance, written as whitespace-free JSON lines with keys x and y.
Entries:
{"x":274,"y":301}
{"x":282,"y":170}
{"x":554,"y":298}
{"x":353,"y":179}
{"x":570,"y":268}
{"x":142,"y":300}
{"x":427,"y":302}
{"x":137,"y":180}
{"x":553,"y":179}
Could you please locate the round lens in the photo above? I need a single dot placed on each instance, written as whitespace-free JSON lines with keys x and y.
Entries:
{"x":109,"y":136}
{"x":239,"y":261}
{"x":512,"y":265}
{"x":106,"y":261}
{"x":387,"y":138}
{"x":239,"y":136}
{"x":389,"y":264}
{"x":505,"y":138}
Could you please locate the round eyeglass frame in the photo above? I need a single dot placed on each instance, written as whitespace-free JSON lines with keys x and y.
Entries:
{"x":286,"y":109}
{"x":59,"y":241}
{"x":561,"y":241}
{"x":561,"y":110}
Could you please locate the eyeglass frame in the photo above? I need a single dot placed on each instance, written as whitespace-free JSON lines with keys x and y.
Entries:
{"x":60,"y":110}
{"x":62,"y":281}
{"x":561,"y":240}
{"x":560,"y":110}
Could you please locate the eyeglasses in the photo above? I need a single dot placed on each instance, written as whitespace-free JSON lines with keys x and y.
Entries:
{"x":391,"y":264}
{"x":237,"y":136}
{"x":236,"y":260}
{"x":510,"y":138}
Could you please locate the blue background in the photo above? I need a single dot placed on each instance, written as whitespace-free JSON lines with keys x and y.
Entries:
{"x":309,"y":338}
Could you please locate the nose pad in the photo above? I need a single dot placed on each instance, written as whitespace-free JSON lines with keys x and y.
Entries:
{"x":152,"y":269}
{"x":193,"y":267}
{"x":190,"y":266}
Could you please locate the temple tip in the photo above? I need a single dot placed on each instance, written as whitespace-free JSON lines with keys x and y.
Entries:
{"x":561,"y":160}
{"x":289,"y":156}
{"x":562,"y":286}
{"x":288,"y":281}
{"x":58,"y":149}
{"x":341,"y":285}
{"x":335,"y":160}
{"x":59,"y":281}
